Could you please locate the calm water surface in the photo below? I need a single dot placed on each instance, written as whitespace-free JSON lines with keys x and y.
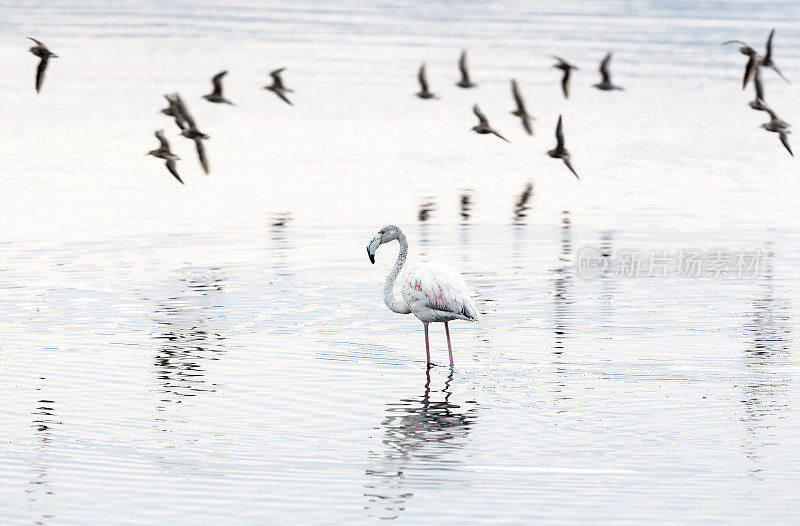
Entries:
{"x":220,"y":352}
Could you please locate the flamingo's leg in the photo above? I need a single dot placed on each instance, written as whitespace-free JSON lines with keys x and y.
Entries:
{"x":449,"y":347}
{"x":427,"y":344}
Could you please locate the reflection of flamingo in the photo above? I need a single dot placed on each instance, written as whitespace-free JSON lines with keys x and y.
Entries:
{"x":418,"y":434}
{"x":432,"y":292}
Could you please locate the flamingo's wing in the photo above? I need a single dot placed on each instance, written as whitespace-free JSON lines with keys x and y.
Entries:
{"x":438,"y":287}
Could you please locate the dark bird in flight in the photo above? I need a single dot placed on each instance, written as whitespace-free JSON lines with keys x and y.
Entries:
{"x":779,"y":126}
{"x":277,"y":86}
{"x":173,"y":110}
{"x":191,"y":132}
{"x":605,"y":83}
{"x":752,"y":61}
{"x":759,"y":102}
{"x":216,"y":95}
{"x":520,"y":111}
{"x":567,"y":68}
{"x":767,"y":60}
{"x":41,"y":51}
{"x":465,"y":82}
{"x":560,"y":152}
{"x":163,"y":152}
{"x":483,"y":127}
{"x":424,"y":92}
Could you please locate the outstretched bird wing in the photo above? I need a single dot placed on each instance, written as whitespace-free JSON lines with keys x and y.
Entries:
{"x":496,"y":133}
{"x":217,"y":81}
{"x":571,"y":169}
{"x":276,"y":78}
{"x":280,"y":93}
{"x":559,"y":137}
{"x":604,"y":69}
{"x":757,"y":83}
{"x":481,"y":117}
{"x":773,"y":116}
{"x":437,"y":287}
{"x":184,"y":112}
{"x":565,"y":82}
{"x":752,"y":64}
{"x":40,"y":72}
{"x":785,"y":141}
{"x":37,"y":42}
{"x":423,"y":80}
{"x":768,"y":54}
{"x":526,"y":123}
{"x":736,"y":42}
{"x":171,"y":167}
{"x":462,"y":65}
{"x":518,"y":97}
{"x":163,"y":140}
{"x":201,"y":154}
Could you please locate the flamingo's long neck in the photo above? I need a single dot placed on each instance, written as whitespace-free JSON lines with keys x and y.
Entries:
{"x":393,"y":302}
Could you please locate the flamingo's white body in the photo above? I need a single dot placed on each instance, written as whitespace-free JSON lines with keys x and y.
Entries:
{"x":432,"y":292}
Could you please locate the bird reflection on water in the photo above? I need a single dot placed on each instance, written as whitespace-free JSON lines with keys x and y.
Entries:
{"x":189,"y":335}
{"x":419,"y":436}
{"x":562,"y":285}
{"x":765,"y":388}
{"x":521,"y":206}
{"x":44,"y":424}
{"x":466,"y":205}
{"x":425,"y":210}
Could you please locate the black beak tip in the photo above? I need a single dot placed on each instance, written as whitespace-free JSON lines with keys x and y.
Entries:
{"x":372,"y":258}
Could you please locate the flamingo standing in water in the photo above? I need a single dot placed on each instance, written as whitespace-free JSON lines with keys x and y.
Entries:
{"x":432,"y":292}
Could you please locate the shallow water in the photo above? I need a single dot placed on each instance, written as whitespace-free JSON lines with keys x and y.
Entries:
{"x":220,"y":351}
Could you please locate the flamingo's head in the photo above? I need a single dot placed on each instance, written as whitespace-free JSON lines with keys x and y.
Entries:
{"x":384,"y":235}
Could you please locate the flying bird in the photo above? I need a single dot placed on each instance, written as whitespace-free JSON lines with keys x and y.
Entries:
{"x":173,"y":110}
{"x":605,"y":83}
{"x":520,"y":111}
{"x":432,"y":292}
{"x":758,"y":103}
{"x":483,"y":127}
{"x":465,"y":82}
{"x":767,"y":60}
{"x":567,"y":68}
{"x":41,"y":51}
{"x":277,"y":86}
{"x":752,"y":61}
{"x":164,"y":152}
{"x":779,"y":126}
{"x":560,"y":152}
{"x":191,"y":132}
{"x":216,"y":94}
{"x":424,"y":92}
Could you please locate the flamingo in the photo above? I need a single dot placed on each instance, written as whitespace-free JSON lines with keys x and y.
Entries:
{"x":432,"y":292}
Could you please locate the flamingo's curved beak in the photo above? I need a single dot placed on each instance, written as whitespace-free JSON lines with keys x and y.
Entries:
{"x":373,"y":246}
